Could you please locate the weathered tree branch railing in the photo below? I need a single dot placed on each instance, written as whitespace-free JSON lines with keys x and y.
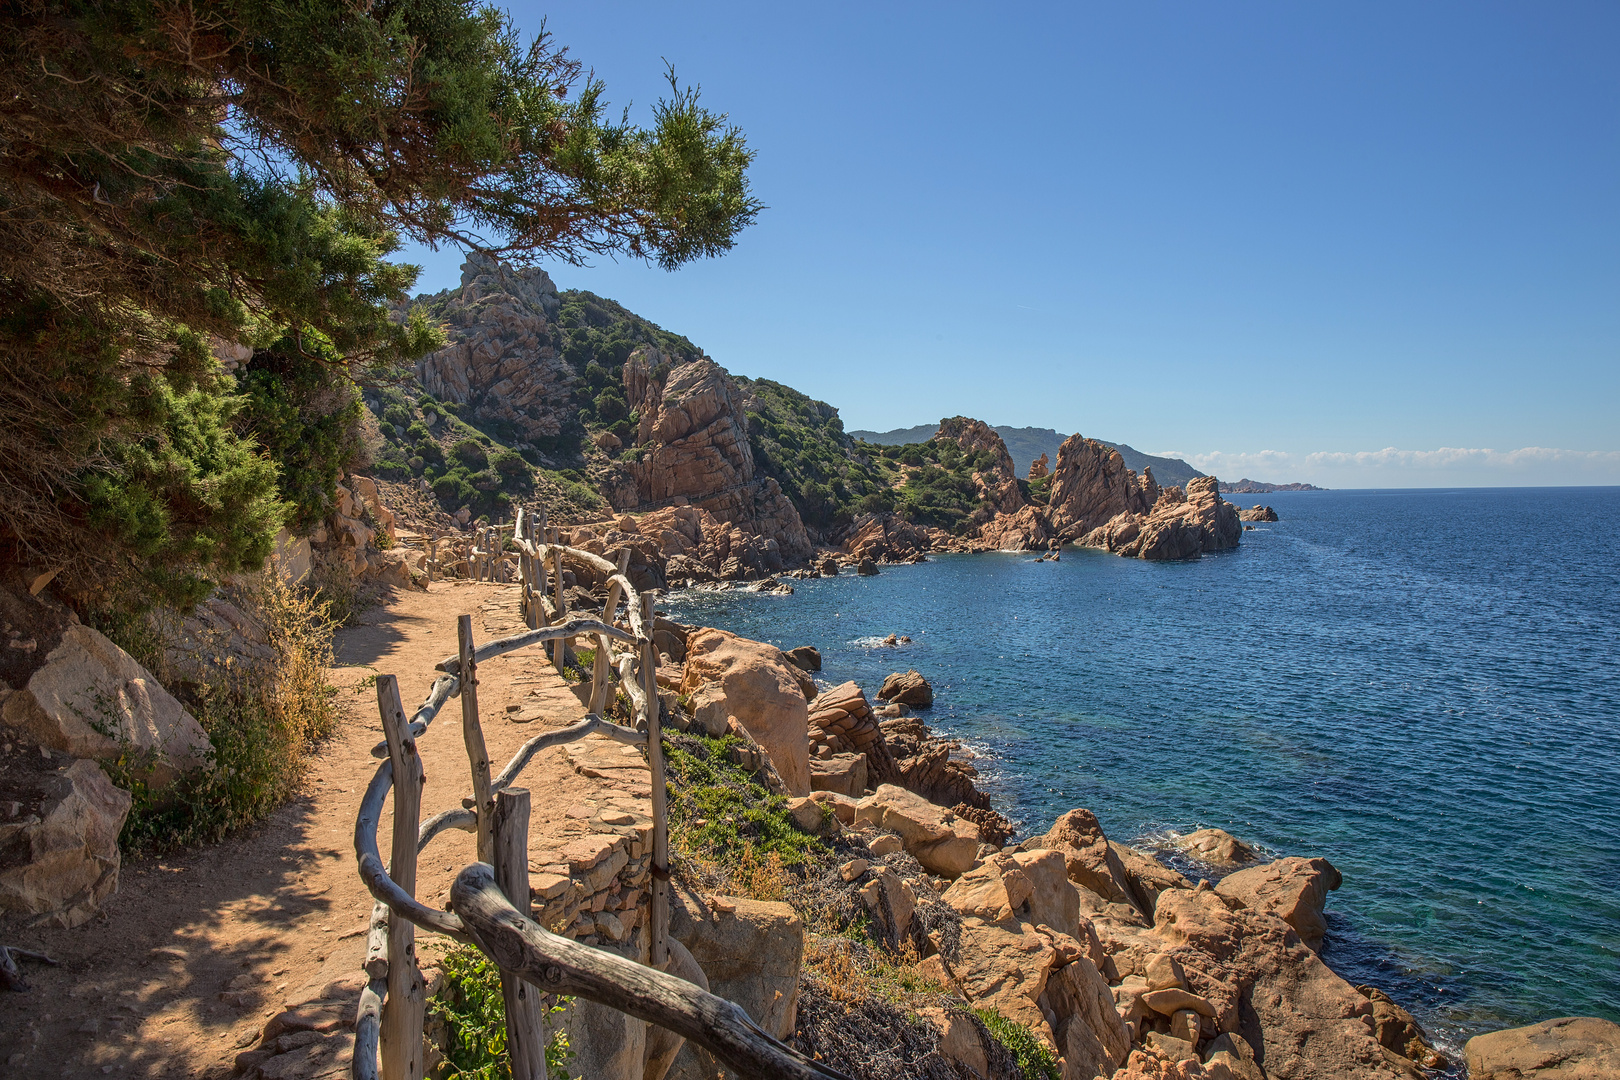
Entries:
{"x":490,"y":901}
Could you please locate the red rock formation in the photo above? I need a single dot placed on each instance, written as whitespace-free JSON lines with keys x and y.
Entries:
{"x":694,"y":439}
{"x":1179,"y":526}
{"x":500,"y":358}
{"x":1092,"y":485}
{"x":1038,"y":468}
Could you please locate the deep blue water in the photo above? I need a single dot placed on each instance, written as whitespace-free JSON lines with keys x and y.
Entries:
{"x":1421,"y":686}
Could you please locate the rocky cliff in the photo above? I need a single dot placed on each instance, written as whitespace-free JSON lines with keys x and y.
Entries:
{"x":693,"y":447}
{"x":502,"y":361}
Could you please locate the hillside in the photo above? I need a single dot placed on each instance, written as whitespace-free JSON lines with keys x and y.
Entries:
{"x":1026,"y":444}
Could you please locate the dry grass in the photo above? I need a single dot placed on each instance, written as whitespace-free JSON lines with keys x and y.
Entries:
{"x":262,"y":722}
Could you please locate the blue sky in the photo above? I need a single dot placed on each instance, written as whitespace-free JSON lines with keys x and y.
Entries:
{"x":1358,"y":244}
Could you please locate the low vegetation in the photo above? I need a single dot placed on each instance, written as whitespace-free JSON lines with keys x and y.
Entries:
{"x":473,"y":1013}
{"x":262,"y":724}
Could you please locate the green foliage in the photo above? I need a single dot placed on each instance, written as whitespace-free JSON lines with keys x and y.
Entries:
{"x":719,"y":813}
{"x":238,"y":171}
{"x":1038,"y":491}
{"x":801,"y":443}
{"x":179,"y":491}
{"x":304,"y":412}
{"x":470,"y":454}
{"x":475,"y":1013}
{"x":1034,"y":1060}
{"x":940,"y":490}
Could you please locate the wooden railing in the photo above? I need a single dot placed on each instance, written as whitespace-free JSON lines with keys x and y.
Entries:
{"x":490,"y":900}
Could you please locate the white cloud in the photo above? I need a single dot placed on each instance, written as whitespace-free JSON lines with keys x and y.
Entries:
{"x":1393,"y":467}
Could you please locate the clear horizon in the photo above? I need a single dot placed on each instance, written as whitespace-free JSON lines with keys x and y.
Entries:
{"x":1369,"y":247}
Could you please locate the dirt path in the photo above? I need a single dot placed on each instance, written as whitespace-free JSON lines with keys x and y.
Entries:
{"x":189,"y":958}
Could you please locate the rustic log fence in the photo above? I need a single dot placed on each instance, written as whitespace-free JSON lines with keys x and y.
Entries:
{"x":490,"y":903}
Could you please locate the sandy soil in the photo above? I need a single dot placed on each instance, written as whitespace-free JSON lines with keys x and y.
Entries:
{"x":194,"y":952}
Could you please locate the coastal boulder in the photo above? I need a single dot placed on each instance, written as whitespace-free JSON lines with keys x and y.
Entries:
{"x":842,"y":773}
{"x":761,"y":692}
{"x":1091,"y":485}
{"x":1179,"y":526}
{"x":1087,"y":857}
{"x":943,"y":842}
{"x":907,"y":688}
{"x":1216,"y":847}
{"x":1293,"y":889}
{"x":91,"y":699}
{"x":1571,"y":1047}
{"x":1258,"y":513}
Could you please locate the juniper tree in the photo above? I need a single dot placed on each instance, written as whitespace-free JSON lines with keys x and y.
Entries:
{"x":179,"y":175}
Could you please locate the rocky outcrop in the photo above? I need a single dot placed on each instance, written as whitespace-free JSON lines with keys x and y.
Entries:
{"x":761,"y":693}
{"x":1028,"y":953}
{"x":1396,"y":1030}
{"x":1570,"y":1047}
{"x":1026,"y":530}
{"x":907,"y":688}
{"x":1039,"y":468}
{"x":1257,"y":513}
{"x":1091,"y":485}
{"x":842,"y":722}
{"x":942,"y":842}
{"x":501,"y":358}
{"x":926,"y":764}
{"x":59,"y":854}
{"x":1211,"y":986}
{"x":887,"y":537}
{"x":694,"y":445}
{"x":1180,"y":526}
{"x":90,"y":699}
{"x":1293,"y":889}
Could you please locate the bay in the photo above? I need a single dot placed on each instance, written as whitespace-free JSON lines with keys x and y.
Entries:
{"x":1421,"y":686}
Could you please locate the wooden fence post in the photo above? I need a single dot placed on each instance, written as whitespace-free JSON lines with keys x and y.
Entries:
{"x":601,"y":671}
{"x":525,"y":1015}
{"x":406,"y":1004}
{"x":472,"y":733}
{"x":660,"y":809}
{"x":562,"y":605}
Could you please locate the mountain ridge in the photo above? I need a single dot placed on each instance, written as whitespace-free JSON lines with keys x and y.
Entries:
{"x":1026,"y":444}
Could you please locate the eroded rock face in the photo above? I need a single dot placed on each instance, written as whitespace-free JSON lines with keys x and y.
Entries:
{"x":694,"y":434}
{"x":1258,"y":513}
{"x":1180,"y":526}
{"x":91,"y":699}
{"x":761,"y":692}
{"x":1028,"y":953}
{"x":501,"y":358}
{"x":1295,"y":890}
{"x":1092,"y":484}
{"x":59,"y":864}
{"x":1568,"y":1047}
{"x":886,"y":537}
{"x":1088,"y":859}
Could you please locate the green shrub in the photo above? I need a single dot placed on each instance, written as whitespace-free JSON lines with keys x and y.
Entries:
{"x":721,"y":818}
{"x":1034,"y":1060}
{"x":400,"y":417}
{"x":470,"y":453}
{"x":474,"y":1011}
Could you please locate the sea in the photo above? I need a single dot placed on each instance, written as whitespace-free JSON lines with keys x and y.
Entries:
{"x":1422,"y":687}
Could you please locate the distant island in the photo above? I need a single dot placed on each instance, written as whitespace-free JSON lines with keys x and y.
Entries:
{"x":1255,"y":487}
{"x":1027,"y":444}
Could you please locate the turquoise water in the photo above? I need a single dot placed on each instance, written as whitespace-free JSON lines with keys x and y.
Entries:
{"x":1420,"y":686}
